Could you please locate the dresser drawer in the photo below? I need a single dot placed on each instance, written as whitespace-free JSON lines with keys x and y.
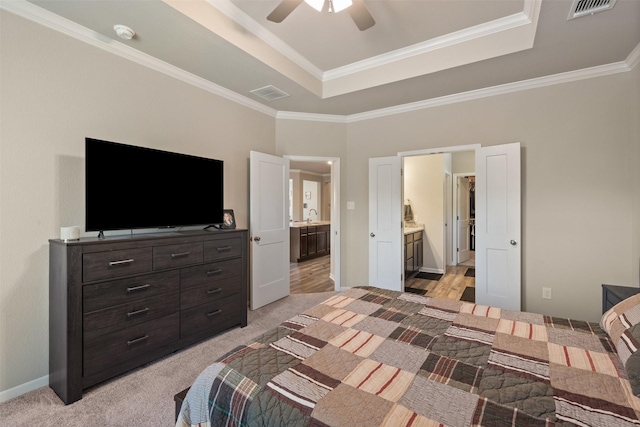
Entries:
{"x":210,"y":291}
{"x":124,"y":291}
{"x":213,"y":316}
{"x":222,"y":248}
{"x":112,"y":349}
{"x":108,"y":265}
{"x":207,"y":273}
{"x":177,"y":255}
{"x":125,"y":315}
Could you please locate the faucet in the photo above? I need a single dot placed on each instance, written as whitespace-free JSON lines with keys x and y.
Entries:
{"x":309,"y":218}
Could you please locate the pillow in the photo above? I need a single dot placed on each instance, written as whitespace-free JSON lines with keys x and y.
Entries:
{"x":622,"y":323}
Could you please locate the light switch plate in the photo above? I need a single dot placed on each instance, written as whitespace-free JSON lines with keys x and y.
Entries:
{"x":351,"y":205}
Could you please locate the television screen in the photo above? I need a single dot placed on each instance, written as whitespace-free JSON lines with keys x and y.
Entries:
{"x":129,"y":187}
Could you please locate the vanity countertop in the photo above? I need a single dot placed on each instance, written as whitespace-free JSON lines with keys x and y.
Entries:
{"x":298,"y":224}
{"x":409,"y":230}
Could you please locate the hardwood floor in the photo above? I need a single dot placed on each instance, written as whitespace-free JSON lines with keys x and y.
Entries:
{"x":451,"y":285}
{"x":313,"y":276}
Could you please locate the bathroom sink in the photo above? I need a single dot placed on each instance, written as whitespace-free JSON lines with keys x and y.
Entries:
{"x":305,"y":223}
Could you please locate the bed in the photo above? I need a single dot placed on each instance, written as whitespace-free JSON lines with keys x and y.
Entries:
{"x":373,"y":357}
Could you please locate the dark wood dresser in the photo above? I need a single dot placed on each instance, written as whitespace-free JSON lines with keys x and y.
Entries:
{"x":120,"y":302}
{"x":613,"y":294}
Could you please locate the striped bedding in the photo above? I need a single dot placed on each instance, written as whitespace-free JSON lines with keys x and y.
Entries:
{"x":372,"y":357}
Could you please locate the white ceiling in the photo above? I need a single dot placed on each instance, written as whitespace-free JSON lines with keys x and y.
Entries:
{"x":418,"y":51}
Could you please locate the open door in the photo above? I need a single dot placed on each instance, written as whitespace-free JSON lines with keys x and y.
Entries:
{"x":269,"y":228}
{"x":497,"y":231}
{"x":385,"y":223}
{"x":464,"y":219}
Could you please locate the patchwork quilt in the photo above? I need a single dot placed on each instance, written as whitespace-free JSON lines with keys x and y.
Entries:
{"x":373,"y":357}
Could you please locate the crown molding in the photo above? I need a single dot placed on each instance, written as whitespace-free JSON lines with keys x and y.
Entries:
{"x":442,"y":42}
{"x":571,"y":76}
{"x":507,"y":34}
{"x":236,"y":14}
{"x":634,"y":58}
{"x":292,"y":115}
{"x":50,"y":20}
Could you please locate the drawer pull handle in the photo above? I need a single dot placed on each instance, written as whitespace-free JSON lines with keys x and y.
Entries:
{"x":137,"y":340}
{"x":137,"y":312}
{"x":180,"y":255}
{"x":214,"y":291}
{"x":212,"y":272}
{"x":138,"y":288}
{"x":224,"y":249}
{"x":213,"y":313}
{"x":122,"y":262}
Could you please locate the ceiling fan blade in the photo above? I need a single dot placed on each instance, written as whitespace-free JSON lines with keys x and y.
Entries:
{"x":283,"y":10}
{"x":360,"y":15}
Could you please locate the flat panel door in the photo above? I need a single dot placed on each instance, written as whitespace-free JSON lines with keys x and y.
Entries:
{"x":385,"y":223}
{"x":269,"y":227}
{"x":464,"y":234}
{"x":497,"y":230}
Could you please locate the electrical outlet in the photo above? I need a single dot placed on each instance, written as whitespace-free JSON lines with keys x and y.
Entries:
{"x":351,"y":205}
{"x":546,"y":293}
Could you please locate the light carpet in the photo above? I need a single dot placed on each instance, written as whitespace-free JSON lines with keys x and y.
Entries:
{"x":144,"y":397}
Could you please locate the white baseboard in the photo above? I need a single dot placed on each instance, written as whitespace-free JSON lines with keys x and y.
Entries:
{"x":432,"y":270}
{"x":24,"y":388}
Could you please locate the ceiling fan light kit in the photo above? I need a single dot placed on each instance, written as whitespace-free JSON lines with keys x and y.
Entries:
{"x":358,"y":11}
{"x":334,"y":5}
{"x":316,"y":4}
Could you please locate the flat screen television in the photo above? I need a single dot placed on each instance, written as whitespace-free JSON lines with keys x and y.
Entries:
{"x":129,"y":187}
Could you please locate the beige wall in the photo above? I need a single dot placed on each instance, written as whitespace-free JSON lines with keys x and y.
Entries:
{"x":424,"y":186}
{"x":298,"y":178}
{"x":463,"y":162}
{"x":55,"y":91}
{"x":579,"y":181}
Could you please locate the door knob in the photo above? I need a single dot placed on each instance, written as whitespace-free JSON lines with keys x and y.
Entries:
{"x":257,"y":238}
{"x":513,"y":243}
{"x":372,"y":235}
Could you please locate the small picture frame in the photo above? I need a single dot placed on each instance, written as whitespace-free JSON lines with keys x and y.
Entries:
{"x":228,"y":219}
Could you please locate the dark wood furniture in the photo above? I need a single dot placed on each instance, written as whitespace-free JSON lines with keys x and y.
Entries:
{"x":309,"y":242}
{"x":120,"y":302}
{"x":413,"y":253}
{"x":613,"y":294}
{"x":178,"y":399}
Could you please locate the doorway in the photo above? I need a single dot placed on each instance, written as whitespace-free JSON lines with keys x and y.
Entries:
{"x":463,"y":218}
{"x":438,"y":184}
{"x":315,"y":224}
{"x":497,"y":227}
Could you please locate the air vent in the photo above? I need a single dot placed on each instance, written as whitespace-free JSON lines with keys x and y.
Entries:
{"x":270,"y":93}
{"x":581,"y":8}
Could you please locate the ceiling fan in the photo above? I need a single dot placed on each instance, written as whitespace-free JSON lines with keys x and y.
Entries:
{"x":356,"y":8}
